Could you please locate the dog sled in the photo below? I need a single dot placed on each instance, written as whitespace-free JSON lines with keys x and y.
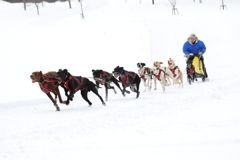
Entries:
{"x":195,"y":70}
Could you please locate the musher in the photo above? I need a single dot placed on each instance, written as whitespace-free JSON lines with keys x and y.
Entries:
{"x":194,"y":47}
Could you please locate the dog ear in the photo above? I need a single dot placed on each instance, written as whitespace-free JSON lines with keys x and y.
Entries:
{"x":160,"y":62}
{"x":41,"y":73}
{"x":143,"y":64}
{"x":65,"y":70}
{"x":93,"y":70}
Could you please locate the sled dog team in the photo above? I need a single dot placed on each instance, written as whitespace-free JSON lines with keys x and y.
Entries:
{"x":50,"y":81}
{"x":193,"y":49}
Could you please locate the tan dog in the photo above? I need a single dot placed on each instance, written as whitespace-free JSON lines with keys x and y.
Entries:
{"x":48,"y":83}
{"x":167,"y":79}
{"x":158,"y":74}
{"x":175,"y":73}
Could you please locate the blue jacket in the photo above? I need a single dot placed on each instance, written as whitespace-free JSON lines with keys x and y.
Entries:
{"x":195,"y":48}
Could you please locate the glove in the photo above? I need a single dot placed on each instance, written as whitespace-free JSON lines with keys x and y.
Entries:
{"x":200,"y":53}
{"x":190,"y":54}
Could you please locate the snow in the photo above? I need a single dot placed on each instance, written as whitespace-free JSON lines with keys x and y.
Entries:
{"x":199,"y":121}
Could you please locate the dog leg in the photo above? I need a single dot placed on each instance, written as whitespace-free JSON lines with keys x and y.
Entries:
{"x":114,"y":90}
{"x":124,"y":90}
{"x":106,"y":92}
{"x":96,"y":92}
{"x":116,"y":83}
{"x":137,"y":89}
{"x":155,"y":84}
{"x":85,"y":97}
{"x":150,"y":85}
{"x":111,"y":87}
{"x":145,"y":85}
{"x":168,"y":79}
{"x":54,"y":102}
{"x":181,"y":77}
{"x":163,"y":83}
{"x":59,"y":96}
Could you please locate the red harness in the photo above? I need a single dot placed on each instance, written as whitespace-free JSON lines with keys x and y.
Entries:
{"x":124,"y":79}
{"x":159,"y":73}
{"x":45,"y":87}
{"x":173,"y":71}
{"x":104,"y":75}
{"x":142,"y":76}
{"x":78,"y":82}
{"x":190,"y":70}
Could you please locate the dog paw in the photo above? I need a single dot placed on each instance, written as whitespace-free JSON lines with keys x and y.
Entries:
{"x":128,"y":92}
{"x":64,"y":102}
{"x":138,"y":94}
{"x":57,"y":108}
{"x":67,"y":102}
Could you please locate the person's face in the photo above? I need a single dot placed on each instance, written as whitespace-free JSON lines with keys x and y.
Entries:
{"x":193,"y":40}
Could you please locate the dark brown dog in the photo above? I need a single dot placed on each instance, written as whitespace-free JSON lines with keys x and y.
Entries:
{"x":48,"y":83}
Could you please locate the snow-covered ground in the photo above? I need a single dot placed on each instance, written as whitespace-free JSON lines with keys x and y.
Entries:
{"x":197,"y":122}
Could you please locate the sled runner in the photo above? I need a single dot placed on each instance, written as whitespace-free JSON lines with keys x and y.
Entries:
{"x":195,"y":70}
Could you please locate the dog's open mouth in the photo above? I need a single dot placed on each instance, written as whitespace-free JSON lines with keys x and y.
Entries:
{"x":34,"y":80}
{"x":115,"y":74}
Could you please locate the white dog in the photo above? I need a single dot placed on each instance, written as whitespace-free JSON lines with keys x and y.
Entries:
{"x":145,"y":75}
{"x":175,"y":73}
{"x":159,"y":74}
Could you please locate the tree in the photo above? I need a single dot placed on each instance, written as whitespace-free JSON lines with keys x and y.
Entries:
{"x":174,"y":9}
{"x":199,"y":1}
{"x":223,"y":6}
{"x":81,"y":8}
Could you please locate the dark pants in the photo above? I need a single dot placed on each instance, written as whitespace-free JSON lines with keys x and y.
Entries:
{"x":190,"y":59}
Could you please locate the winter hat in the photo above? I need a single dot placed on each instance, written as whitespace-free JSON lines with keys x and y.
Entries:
{"x":192,"y":36}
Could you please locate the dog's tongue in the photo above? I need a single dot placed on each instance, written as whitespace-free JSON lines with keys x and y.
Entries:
{"x":115,"y":75}
{"x":34,"y":80}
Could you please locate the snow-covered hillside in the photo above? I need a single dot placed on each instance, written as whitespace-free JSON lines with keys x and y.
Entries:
{"x":196,"y":122}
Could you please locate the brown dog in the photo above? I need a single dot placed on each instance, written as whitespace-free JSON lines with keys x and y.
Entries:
{"x":48,"y":83}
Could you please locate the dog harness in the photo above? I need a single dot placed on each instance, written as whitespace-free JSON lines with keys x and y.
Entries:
{"x":190,"y":70}
{"x":78,"y":82}
{"x":142,"y":75}
{"x":159,"y":73}
{"x":45,"y":87}
{"x":124,"y":79}
{"x":173,"y":71}
{"x":104,"y":77}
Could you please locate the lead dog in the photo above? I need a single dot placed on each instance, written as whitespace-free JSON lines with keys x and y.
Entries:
{"x":175,"y":73}
{"x":48,"y":84}
{"x":74,"y":83}
{"x":145,"y":74}
{"x":128,"y":79}
{"x":105,"y":78}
